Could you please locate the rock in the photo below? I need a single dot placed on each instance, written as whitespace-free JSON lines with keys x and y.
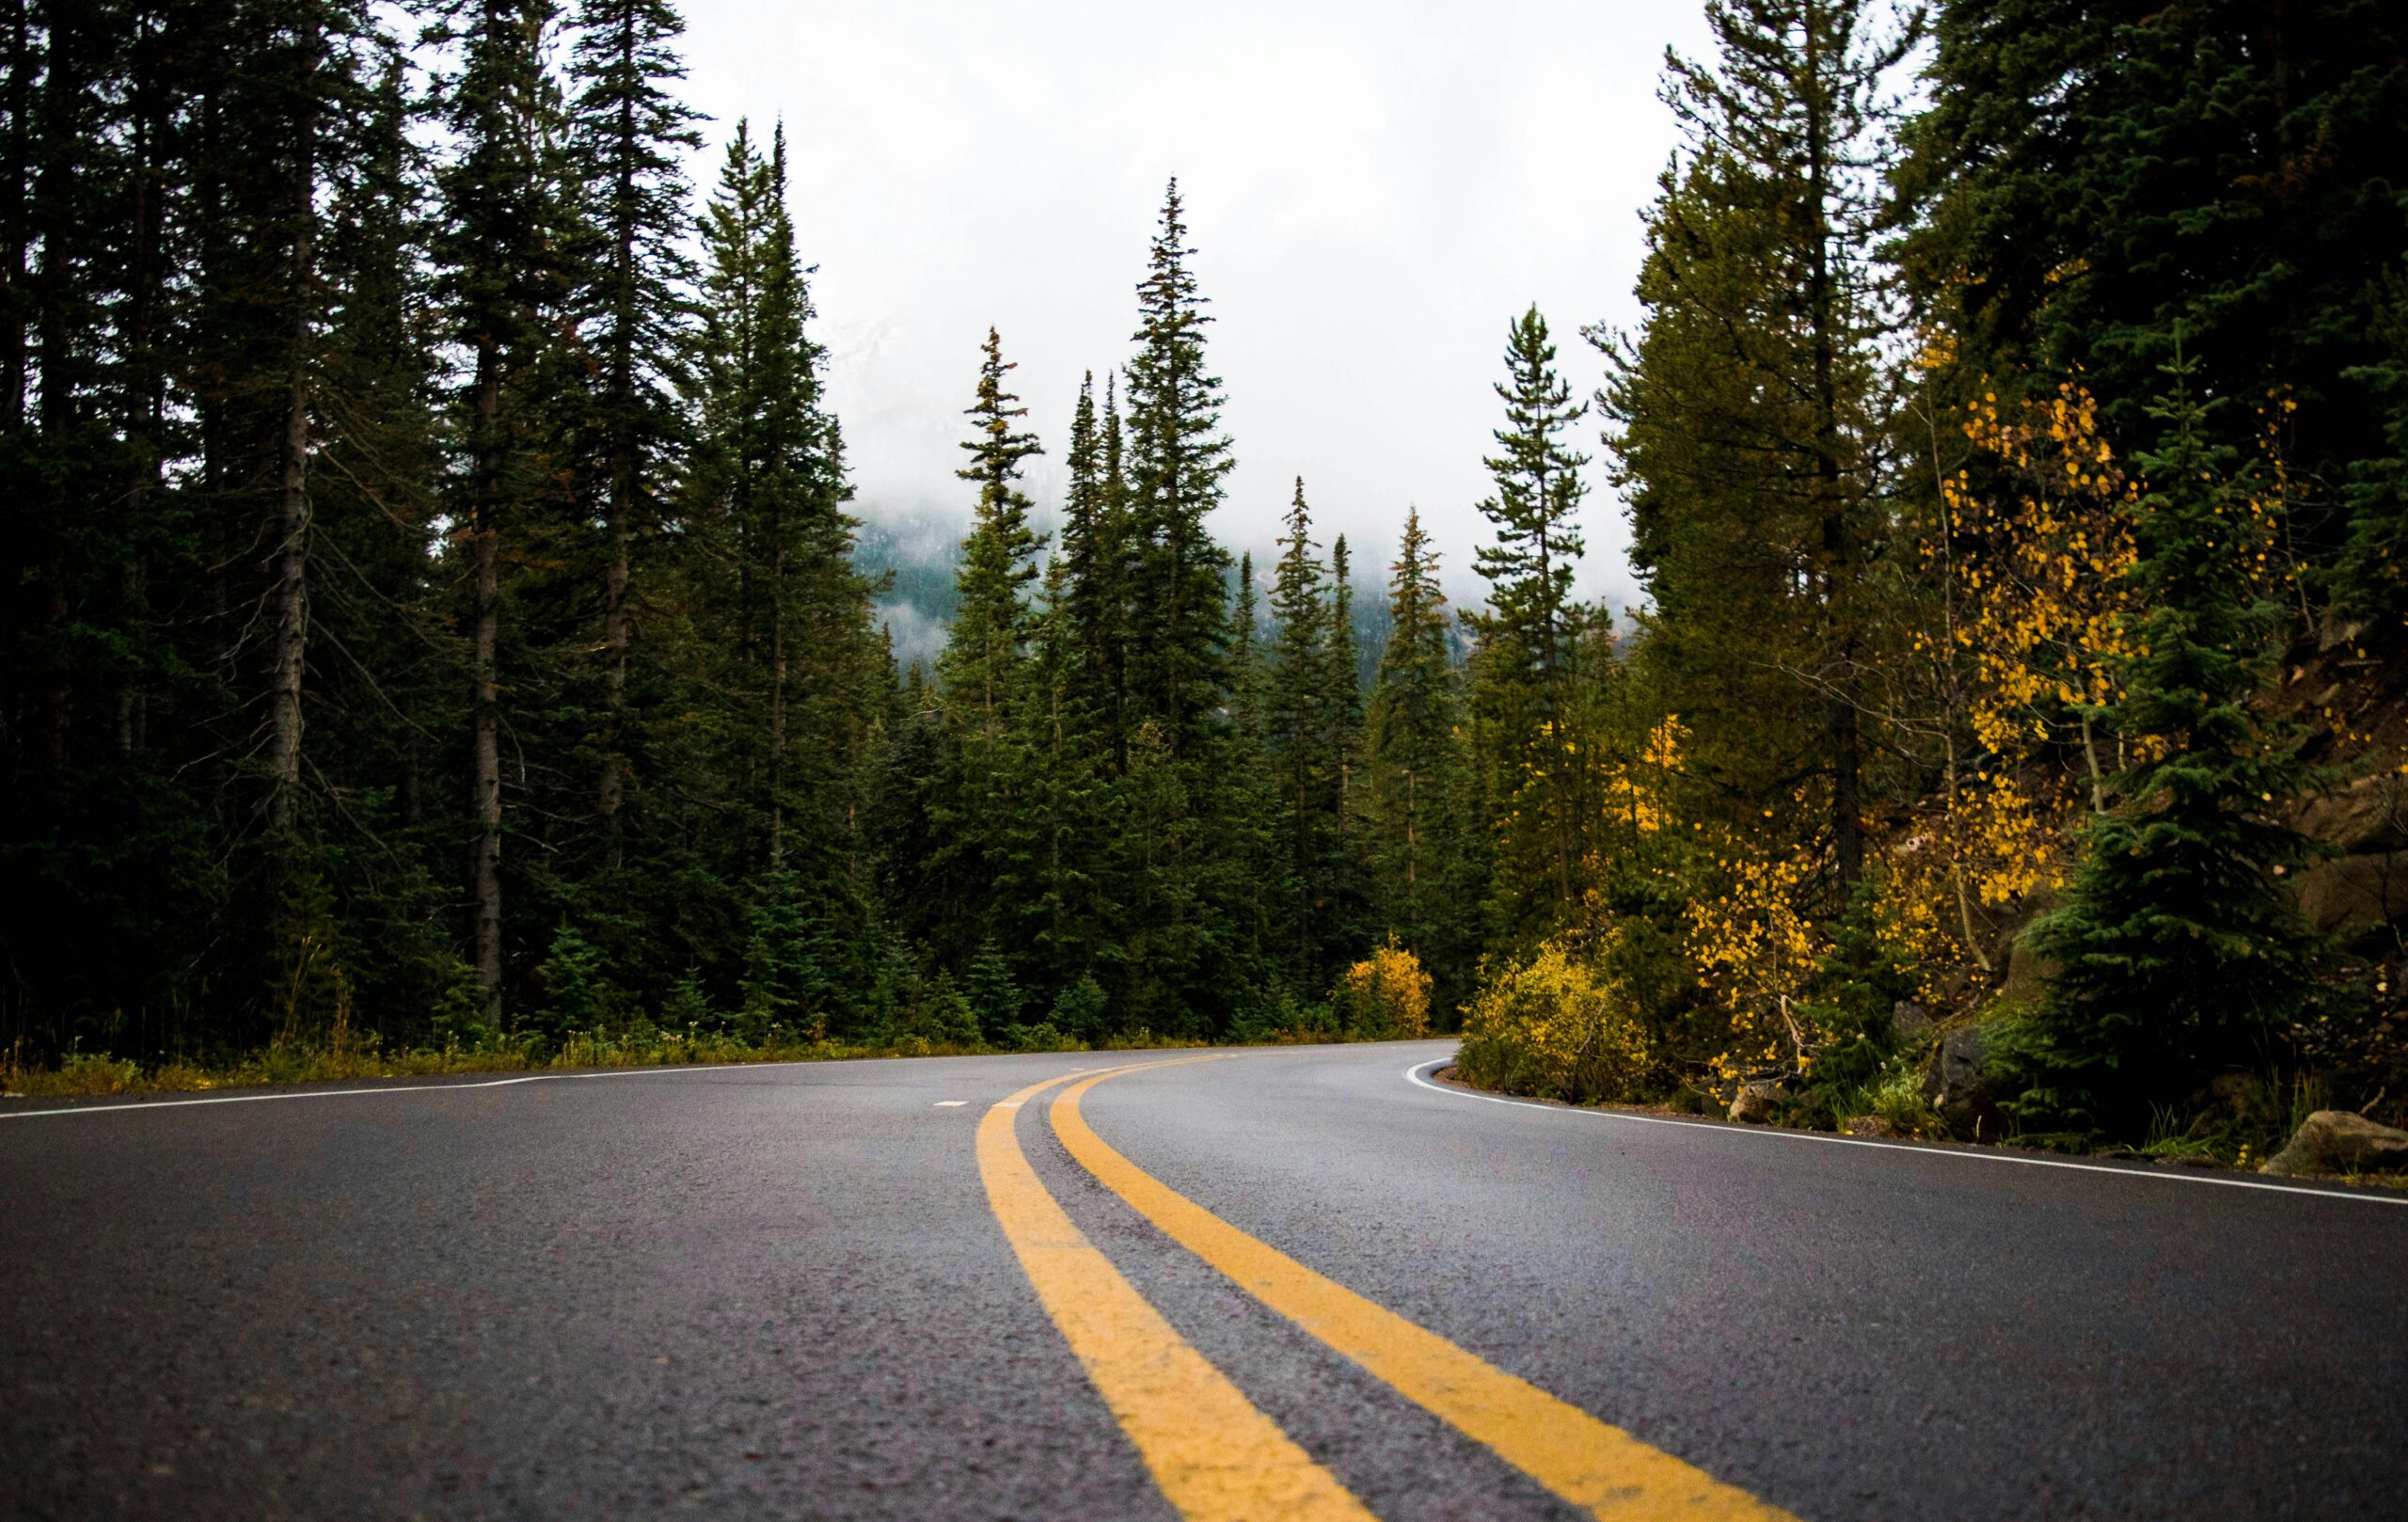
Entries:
{"x":1959,"y":1085}
{"x":2028,"y":974}
{"x":1758,"y":1103}
{"x":1873,"y":1126}
{"x":2352,"y":893}
{"x":1956,"y":1067}
{"x":2336,"y":1141}
{"x":1911,"y":1023}
{"x":2011,"y":928}
{"x":2339,"y":632}
{"x":2369,"y":815}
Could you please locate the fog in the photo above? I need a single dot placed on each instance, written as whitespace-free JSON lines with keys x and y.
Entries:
{"x":1373,"y":192}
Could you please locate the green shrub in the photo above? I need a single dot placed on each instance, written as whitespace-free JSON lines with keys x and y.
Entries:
{"x":1082,"y":1012}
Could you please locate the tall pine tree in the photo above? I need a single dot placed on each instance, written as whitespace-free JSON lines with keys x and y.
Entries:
{"x":627,"y":136}
{"x":1530,"y":637}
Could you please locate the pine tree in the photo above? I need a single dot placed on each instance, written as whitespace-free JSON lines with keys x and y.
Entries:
{"x":1751,"y":419}
{"x":983,"y":653}
{"x":995,"y":996}
{"x":501,"y":282}
{"x":2181,"y":952}
{"x":981,"y":794}
{"x":1113,"y":567}
{"x":1059,"y":839}
{"x":625,"y":135}
{"x":1414,"y":712}
{"x":1246,"y":658}
{"x":777,"y":646}
{"x":387,"y":680}
{"x":308,"y":372}
{"x":1092,"y":549}
{"x":1298,"y":731}
{"x":1177,"y":458}
{"x":1530,"y":632}
{"x":1346,"y":891}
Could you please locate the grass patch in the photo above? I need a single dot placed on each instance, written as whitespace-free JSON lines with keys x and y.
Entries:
{"x":1895,"y":1096}
{"x":91,"y":1074}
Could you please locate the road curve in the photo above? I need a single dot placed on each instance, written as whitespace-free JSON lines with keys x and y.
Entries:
{"x":799,"y":1291}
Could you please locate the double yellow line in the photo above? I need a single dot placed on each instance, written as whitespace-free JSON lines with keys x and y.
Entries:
{"x":1215,"y":1455}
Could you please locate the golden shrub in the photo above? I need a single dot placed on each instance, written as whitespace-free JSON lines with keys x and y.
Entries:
{"x":1386,"y":995}
{"x":1555,"y":1025}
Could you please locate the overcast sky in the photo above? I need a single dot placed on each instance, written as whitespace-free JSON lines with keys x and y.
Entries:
{"x":1373,"y":192}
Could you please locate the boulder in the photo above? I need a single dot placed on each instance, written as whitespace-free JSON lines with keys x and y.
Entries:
{"x":1957,"y":1083}
{"x":2369,"y":815}
{"x":2011,"y":929}
{"x":1759,"y":1101}
{"x":2336,"y":1141}
{"x":2027,"y":975}
{"x":2352,"y":893}
{"x":2337,"y":632}
{"x":1956,"y":1067}
{"x":1911,"y":1023}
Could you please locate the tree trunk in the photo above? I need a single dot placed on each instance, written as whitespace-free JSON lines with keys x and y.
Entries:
{"x":778,"y":710}
{"x":54,"y":224}
{"x":2090,"y":760}
{"x":610,"y":787}
{"x":623,"y":464}
{"x":1848,"y":808}
{"x":15,"y":232}
{"x":484,"y":785}
{"x":144,"y":384}
{"x":290,"y":652}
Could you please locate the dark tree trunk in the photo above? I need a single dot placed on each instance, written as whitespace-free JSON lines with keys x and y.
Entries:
{"x":485,"y":780}
{"x":291,"y":653}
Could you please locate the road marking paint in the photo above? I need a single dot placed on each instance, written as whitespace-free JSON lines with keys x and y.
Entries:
{"x":1418,"y":1073}
{"x":1600,"y":1469}
{"x":1215,"y":1456}
{"x":951,"y":1105}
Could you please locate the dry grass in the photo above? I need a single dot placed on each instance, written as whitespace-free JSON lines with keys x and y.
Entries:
{"x":87,"y":1073}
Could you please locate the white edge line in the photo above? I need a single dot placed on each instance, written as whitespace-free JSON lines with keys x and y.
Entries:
{"x":410,"y":1088}
{"x":1419,"y":1072}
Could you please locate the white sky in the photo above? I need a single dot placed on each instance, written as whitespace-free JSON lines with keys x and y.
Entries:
{"x":1373,"y":192}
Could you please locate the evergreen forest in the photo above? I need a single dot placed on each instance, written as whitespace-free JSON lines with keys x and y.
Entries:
{"x":434,"y":619}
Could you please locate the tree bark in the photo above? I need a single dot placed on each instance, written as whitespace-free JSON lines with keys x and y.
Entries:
{"x":145,"y":384}
{"x":15,"y":232}
{"x":1847,"y":807}
{"x":291,"y":649}
{"x":778,"y":707}
{"x":53,"y":223}
{"x":615,"y":630}
{"x":484,"y":781}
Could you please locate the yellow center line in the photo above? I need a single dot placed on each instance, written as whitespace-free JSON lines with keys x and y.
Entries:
{"x":1217,"y":1458}
{"x":1599,"y":1468}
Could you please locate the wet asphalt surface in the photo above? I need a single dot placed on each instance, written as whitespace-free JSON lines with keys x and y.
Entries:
{"x":779,"y":1291}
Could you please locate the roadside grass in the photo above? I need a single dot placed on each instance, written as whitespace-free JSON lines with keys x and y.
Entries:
{"x":86,"y":1073}
{"x":2173,"y":1139}
{"x":1895,"y":1096}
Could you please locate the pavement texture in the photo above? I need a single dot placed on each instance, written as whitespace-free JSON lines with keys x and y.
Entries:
{"x":782,"y":1292}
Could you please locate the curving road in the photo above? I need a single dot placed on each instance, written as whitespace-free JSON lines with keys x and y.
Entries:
{"x":1290,"y":1282}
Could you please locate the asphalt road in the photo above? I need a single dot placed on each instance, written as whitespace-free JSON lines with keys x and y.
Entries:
{"x":791,"y":1291}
